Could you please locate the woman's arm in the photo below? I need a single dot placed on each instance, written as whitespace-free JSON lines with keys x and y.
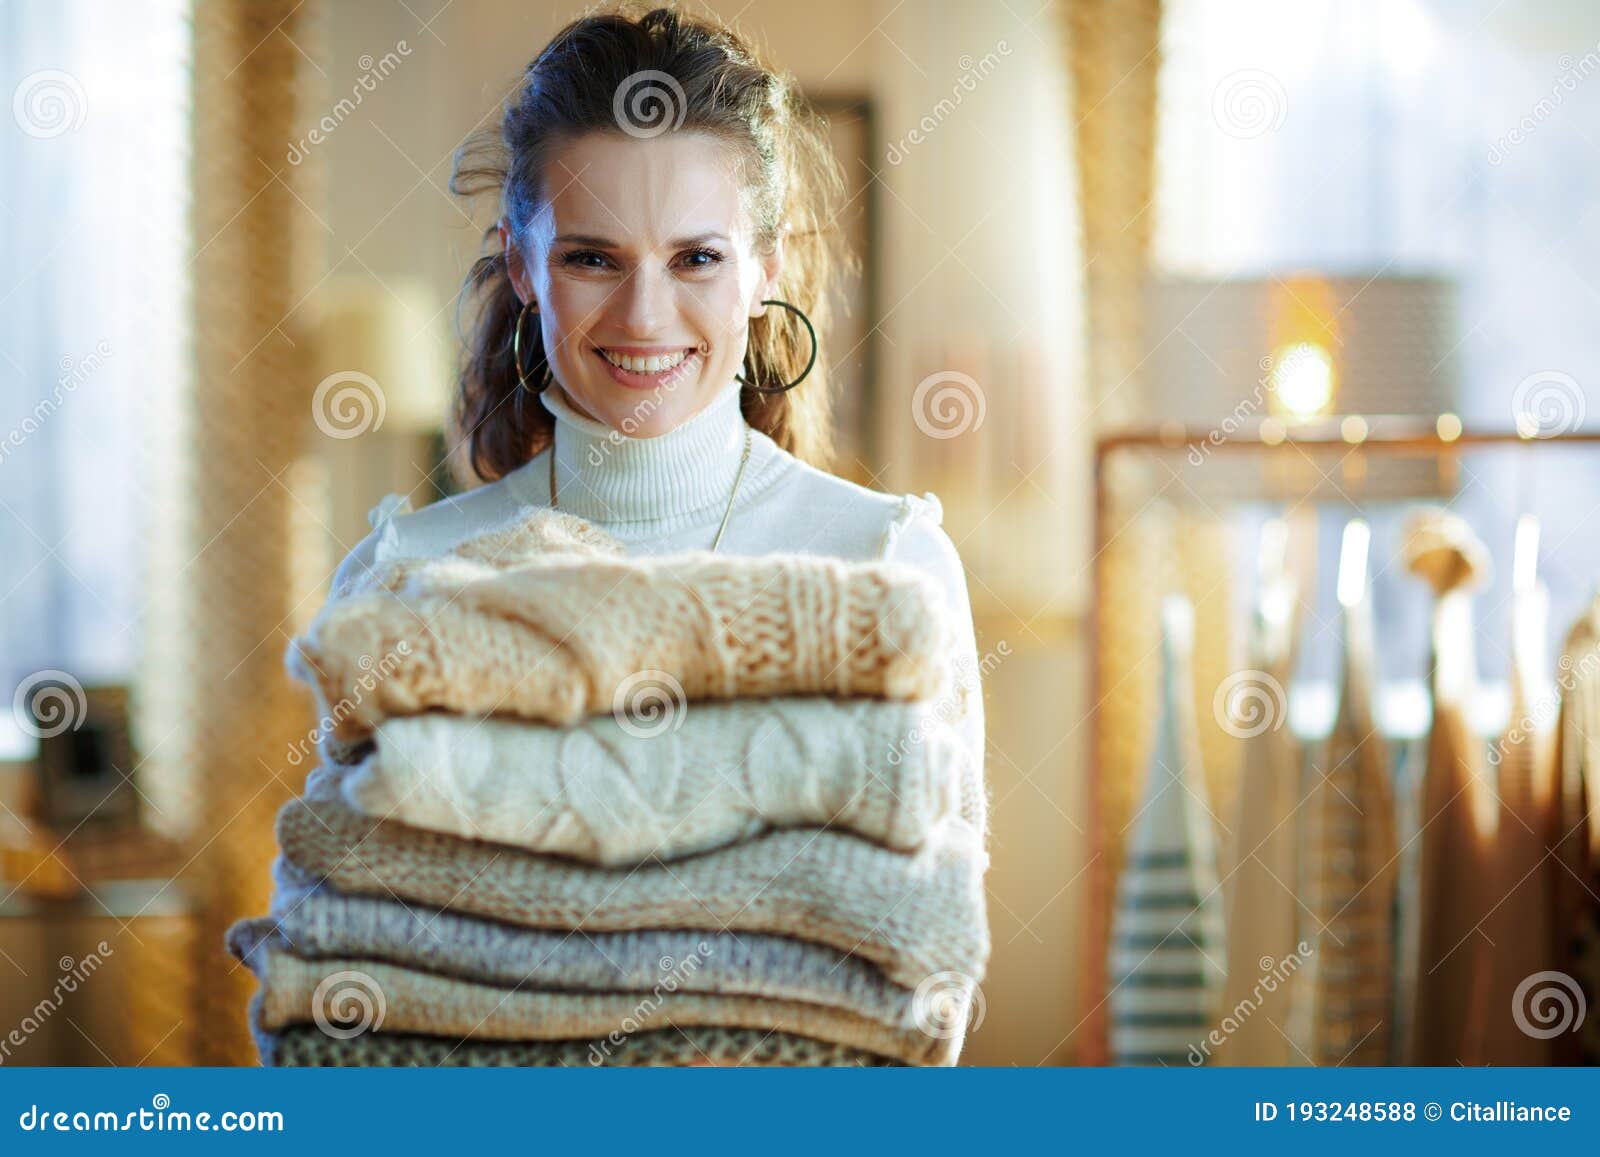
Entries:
{"x":360,"y":561}
{"x":917,"y":538}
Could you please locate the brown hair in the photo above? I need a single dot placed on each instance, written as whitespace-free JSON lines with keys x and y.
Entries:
{"x":790,"y":182}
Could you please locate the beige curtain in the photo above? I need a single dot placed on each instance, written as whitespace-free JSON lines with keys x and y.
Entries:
{"x":215,"y":702}
{"x":1113,"y":53}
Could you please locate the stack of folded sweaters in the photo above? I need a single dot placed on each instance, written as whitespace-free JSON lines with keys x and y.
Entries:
{"x":581,"y":808}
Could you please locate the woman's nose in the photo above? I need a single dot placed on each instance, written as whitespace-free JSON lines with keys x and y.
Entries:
{"x":644,"y":295}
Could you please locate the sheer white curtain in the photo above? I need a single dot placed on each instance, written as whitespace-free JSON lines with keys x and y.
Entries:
{"x":92,"y":248}
{"x":1402,"y":136}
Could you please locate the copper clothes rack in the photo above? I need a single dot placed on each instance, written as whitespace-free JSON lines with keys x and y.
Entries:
{"x":1347,"y":437}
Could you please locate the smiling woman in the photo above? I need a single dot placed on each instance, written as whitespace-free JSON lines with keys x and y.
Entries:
{"x":645,"y":308}
{"x":643,"y":345}
{"x":657,"y":184}
{"x":643,"y":357}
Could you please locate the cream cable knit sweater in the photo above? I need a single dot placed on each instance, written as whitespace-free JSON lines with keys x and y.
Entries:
{"x":542,"y":618}
{"x":694,"y":776}
{"x":665,"y":494}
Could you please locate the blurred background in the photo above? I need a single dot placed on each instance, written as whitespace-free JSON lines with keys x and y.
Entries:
{"x":1145,"y":285}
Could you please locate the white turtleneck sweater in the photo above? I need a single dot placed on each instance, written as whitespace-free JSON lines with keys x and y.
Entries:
{"x":668,"y":493}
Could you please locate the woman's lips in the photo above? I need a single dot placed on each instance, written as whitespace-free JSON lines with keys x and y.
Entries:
{"x":643,"y":381}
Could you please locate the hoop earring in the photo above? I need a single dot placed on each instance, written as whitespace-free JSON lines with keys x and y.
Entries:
{"x":516,"y":349}
{"x":813,"y":361}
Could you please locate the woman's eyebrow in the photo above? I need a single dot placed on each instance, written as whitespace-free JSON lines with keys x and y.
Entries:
{"x":606,"y":243}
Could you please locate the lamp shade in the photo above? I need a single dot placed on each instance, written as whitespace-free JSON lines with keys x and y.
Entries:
{"x":1300,"y":347}
{"x":383,"y":356}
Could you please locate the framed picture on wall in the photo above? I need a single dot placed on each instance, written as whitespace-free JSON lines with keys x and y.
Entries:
{"x":853,"y":338}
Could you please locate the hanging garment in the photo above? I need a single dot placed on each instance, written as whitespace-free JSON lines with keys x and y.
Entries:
{"x":1522,"y":922}
{"x":1167,"y":934}
{"x":1261,"y":910}
{"x":1570,"y":995}
{"x":1456,"y":811}
{"x":1404,"y":720}
{"x":1352,"y":849}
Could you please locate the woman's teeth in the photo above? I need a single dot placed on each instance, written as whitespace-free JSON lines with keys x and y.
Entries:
{"x":650,"y":365}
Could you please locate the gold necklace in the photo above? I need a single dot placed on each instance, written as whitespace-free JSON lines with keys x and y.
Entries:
{"x":737,"y":478}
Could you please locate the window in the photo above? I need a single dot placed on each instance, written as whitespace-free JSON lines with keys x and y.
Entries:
{"x":92,"y":261}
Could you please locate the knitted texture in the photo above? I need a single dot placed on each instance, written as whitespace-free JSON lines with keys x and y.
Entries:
{"x":615,"y":792}
{"x":1352,"y":875}
{"x":517,"y":540}
{"x":504,"y":624}
{"x":326,"y":923}
{"x":307,"y":1045}
{"x":357,"y":995}
{"x":911,"y":914}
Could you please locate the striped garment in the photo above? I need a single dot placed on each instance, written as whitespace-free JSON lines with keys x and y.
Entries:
{"x":1166,"y":934}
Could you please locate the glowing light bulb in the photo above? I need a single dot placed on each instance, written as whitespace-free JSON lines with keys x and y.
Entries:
{"x":1302,"y":378}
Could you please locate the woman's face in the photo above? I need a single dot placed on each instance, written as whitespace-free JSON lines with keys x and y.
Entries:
{"x":642,"y":252}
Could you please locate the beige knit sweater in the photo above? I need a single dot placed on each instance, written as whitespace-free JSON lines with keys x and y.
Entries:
{"x":913,"y":915}
{"x":330,"y":925}
{"x":691,"y":1046}
{"x":693,"y":777}
{"x":372,"y":995}
{"x":546,"y":619}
